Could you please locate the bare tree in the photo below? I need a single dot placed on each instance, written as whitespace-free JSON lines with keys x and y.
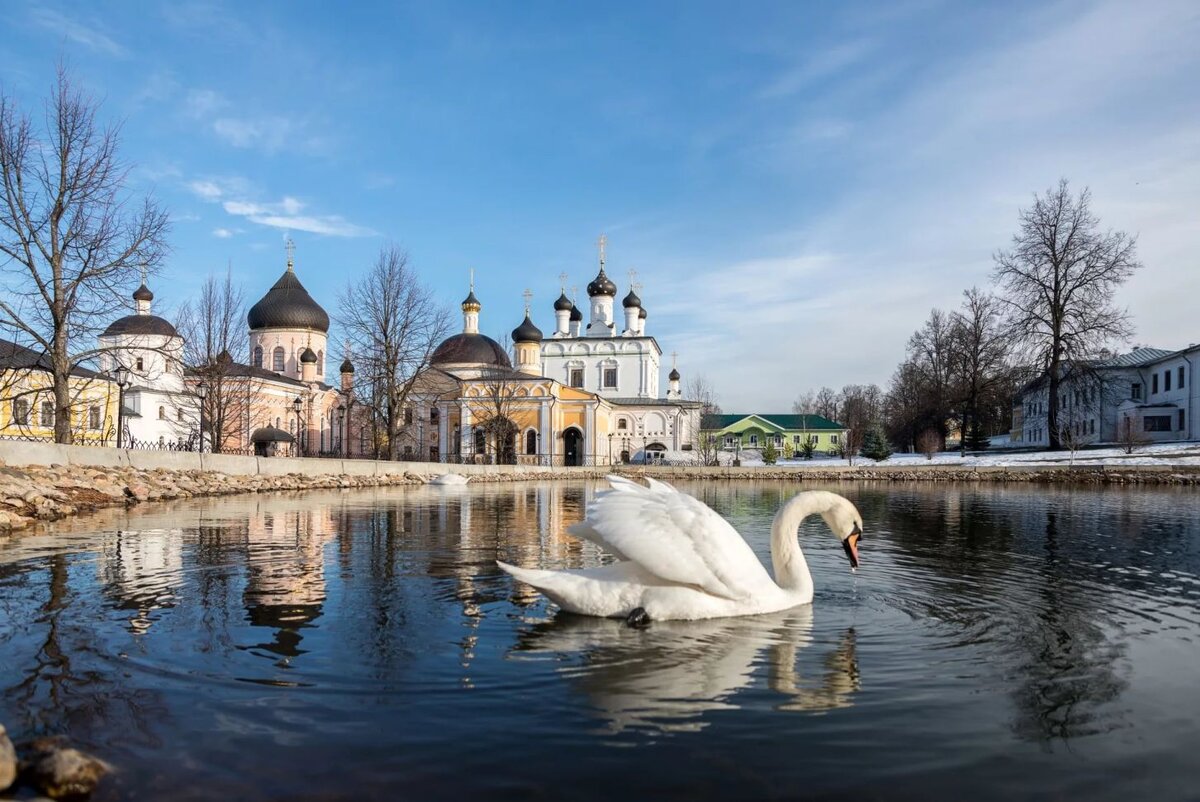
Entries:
{"x":1128,"y":435}
{"x":805,"y":403}
{"x":825,"y":404}
{"x":216,"y":352}
{"x":861,"y":408}
{"x":929,"y":442}
{"x":982,"y":366}
{"x":492,"y":412}
{"x":71,"y":237}
{"x":394,"y":324}
{"x":1058,"y":280}
{"x":706,"y":445}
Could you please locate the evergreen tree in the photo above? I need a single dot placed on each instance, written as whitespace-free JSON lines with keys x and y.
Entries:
{"x":808,"y":447}
{"x":976,"y":439}
{"x":770,"y":454}
{"x":875,"y":444}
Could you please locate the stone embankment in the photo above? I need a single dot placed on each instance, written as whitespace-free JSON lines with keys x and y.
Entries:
{"x":1029,"y":474}
{"x":48,"y":493}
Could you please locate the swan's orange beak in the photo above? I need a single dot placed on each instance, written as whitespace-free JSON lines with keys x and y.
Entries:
{"x":850,"y":544}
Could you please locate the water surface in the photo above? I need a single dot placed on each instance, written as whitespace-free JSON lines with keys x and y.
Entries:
{"x":997,"y":643}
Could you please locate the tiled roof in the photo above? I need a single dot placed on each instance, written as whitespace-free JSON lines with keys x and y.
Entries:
{"x":788,"y":422}
{"x":1135,"y":358}
{"x":18,"y":357}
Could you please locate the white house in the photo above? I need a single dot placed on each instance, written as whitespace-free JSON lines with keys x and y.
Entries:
{"x":1149,"y":394}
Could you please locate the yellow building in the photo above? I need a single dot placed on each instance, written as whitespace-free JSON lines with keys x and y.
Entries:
{"x":27,"y":399}
{"x":472,"y":405}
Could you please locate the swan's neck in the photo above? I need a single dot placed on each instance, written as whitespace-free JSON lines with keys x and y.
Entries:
{"x":791,"y":569}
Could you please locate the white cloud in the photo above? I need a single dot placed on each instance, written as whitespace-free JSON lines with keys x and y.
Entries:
{"x":208,"y":190}
{"x":89,"y":35}
{"x":222,"y":233}
{"x":286,"y":213}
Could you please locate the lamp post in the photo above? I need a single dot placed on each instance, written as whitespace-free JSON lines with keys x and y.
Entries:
{"x":610,"y":437}
{"x":122,"y":383}
{"x":202,"y":393}
{"x":341,"y":420}
{"x":297,"y":404}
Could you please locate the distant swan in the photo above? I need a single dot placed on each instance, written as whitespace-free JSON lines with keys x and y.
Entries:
{"x":448,"y":479}
{"x":680,"y":560}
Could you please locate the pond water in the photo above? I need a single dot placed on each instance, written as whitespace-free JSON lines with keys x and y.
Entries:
{"x":997,"y":643}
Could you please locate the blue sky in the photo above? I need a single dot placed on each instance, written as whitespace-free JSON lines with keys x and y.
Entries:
{"x":797,"y":184}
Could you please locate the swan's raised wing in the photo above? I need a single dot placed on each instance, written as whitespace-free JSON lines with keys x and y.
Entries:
{"x":673,"y":536}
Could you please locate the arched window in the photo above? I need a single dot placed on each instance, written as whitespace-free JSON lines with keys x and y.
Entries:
{"x":179,"y":413}
{"x":321,"y":362}
{"x":20,"y":412}
{"x":480,"y":441}
{"x":258,"y":356}
{"x":623,"y":424}
{"x":162,"y":413}
{"x":531,"y":439}
{"x":47,"y":414}
{"x":277,"y":359}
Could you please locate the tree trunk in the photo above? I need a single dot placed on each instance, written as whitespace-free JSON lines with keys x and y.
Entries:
{"x":60,"y":363}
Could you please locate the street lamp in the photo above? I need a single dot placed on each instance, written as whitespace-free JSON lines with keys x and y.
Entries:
{"x":341,"y":419}
{"x":202,"y":393}
{"x":297,"y":403}
{"x":122,"y":383}
{"x":610,"y":437}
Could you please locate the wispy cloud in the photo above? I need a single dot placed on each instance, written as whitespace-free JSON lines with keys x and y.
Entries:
{"x":817,"y":66}
{"x":939,"y":173}
{"x":288,"y":213}
{"x":89,"y":34}
{"x":262,"y":131}
{"x":222,"y":233}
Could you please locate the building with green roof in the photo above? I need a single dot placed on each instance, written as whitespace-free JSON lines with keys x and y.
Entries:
{"x":755,"y":430}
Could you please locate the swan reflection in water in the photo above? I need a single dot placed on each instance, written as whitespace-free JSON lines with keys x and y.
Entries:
{"x":666,"y":677}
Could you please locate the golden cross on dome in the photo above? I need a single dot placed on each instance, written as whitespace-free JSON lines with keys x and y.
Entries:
{"x":290,"y":247}
{"x":574,"y":292}
{"x":602,"y":242}
{"x":472,"y":271}
{"x":674,"y":358}
{"x":144,"y":269}
{"x":528,"y":296}
{"x":562,"y":281}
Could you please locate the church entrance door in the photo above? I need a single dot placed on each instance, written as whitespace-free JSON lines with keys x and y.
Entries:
{"x":572,"y":447}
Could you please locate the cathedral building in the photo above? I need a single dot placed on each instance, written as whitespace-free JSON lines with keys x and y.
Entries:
{"x":158,"y":409}
{"x":581,"y":396}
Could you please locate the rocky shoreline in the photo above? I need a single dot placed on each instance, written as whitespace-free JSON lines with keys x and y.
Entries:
{"x":47,"y":493}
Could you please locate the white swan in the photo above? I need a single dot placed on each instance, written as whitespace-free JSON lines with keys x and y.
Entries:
{"x":448,"y":479}
{"x":679,"y":560}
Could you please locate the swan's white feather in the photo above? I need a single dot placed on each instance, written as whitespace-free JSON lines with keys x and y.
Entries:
{"x":674,"y":537}
{"x":678,"y":559}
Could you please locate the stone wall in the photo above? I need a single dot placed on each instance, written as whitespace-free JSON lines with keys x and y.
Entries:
{"x":19,"y":452}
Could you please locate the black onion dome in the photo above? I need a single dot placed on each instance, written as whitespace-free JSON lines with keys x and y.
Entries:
{"x":642,"y":314}
{"x":140,"y":325}
{"x":347,"y":366}
{"x":527,"y":332}
{"x":308,"y":355}
{"x":471,"y":300}
{"x":563,"y":303}
{"x":143,"y":293}
{"x":576,"y":315}
{"x":631,"y":300}
{"x":470,"y":349}
{"x":287,"y":305}
{"x":602,"y":285}
{"x":673,"y":375}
